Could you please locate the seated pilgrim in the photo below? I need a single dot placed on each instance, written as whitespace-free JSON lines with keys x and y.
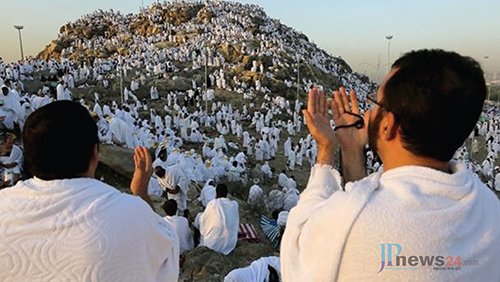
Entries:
{"x":219,"y":223}
{"x":207,"y":193}
{"x":180,"y":224}
{"x":11,"y":160}
{"x":63,"y":224}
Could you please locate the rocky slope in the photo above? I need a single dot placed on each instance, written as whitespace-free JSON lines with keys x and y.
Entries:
{"x":240,"y":34}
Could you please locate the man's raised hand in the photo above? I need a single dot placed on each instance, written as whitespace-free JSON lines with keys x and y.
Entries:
{"x":142,"y":174}
{"x":318,"y":123}
{"x":350,"y":138}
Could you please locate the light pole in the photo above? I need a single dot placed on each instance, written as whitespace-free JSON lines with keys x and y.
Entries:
{"x":19,"y":27}
{"x":120,"y":69}
{"x":388,"y":37}
{"x":206,"y":79}
{"x":488,"y":85}
{"x":298,"y":76}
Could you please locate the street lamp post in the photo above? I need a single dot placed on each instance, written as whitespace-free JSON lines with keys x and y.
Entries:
{"x":206,"y":80}
{"x":388,"y":37}
{"x":298,"y":77}
{"x":19,"y":27}
{"x":486,"y":79}
{"x":122,"y":94}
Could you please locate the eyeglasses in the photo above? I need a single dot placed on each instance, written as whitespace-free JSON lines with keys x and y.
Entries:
{"x":372,"y":101}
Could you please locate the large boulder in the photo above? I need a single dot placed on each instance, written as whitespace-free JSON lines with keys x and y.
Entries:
{"x":119,"y":159}
{"x":53,"y":50}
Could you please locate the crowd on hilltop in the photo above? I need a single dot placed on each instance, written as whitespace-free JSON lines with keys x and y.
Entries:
{"x":196,"y":43}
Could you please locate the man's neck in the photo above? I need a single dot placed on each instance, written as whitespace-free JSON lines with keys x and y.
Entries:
{"x":408,"y":159}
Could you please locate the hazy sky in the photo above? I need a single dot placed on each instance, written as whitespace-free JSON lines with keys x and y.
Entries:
{"x":354,"y":30}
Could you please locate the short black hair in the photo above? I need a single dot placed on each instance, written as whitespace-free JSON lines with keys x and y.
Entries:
{"x":170,"y":207}
{"x":436,"y":97}
{"x":59,"y":139}
{"x":159,"y":171}
{"x":221,"y":190}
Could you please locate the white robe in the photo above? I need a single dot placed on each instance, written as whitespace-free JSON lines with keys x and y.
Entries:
{"x":154,"y":188}
{"x":219,"y":225}
{"x":291,"y":160}
{"x":184,"y":233}
{"x":291,"y":199}
{"x":15,"y":156}
{"x":82,"y":229}
{"x":121,"y":133}
{"x":259,"y":153}
{"x":174,"y":176}
{"x":422,"y":210}
{"x":275,"y":200}
{"x":497,"y":182}
{"x":266,"y":169}
{"x":255,"y":195}
{"x":207,"y":194}
{"x":159,"y":162}
{"x":10,"y":108}
{"x":60,"y":93}
{"x":283,"y":180}
{"x":288,"y":146}
{"x":257,"y":271}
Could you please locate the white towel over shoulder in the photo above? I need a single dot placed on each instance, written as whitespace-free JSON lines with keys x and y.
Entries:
{"x":332,"y":235}
{"x":82,"y":230}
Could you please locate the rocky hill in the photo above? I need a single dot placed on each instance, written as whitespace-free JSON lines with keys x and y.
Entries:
{"x":240,"y":36}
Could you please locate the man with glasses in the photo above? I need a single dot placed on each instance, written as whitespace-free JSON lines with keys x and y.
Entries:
{"x":424,"y":217}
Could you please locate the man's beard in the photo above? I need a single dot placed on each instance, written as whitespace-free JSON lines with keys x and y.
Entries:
{"x":373,"y":127}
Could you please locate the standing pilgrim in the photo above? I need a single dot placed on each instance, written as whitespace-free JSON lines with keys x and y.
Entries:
{"x":9,"y":107}
{"x":288,"y":146}
{"x":180,"y":224}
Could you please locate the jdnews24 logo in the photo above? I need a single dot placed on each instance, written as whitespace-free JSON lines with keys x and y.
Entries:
{"x":391,"y":258}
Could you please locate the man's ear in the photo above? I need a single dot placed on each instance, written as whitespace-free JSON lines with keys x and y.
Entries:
{"x":388,"y":127}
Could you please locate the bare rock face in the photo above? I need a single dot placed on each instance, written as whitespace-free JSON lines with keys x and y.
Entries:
{"x":182,"y":14}
{"x":204,"y":16}
{"x":53,"y":50}
{"x":118,"y":159}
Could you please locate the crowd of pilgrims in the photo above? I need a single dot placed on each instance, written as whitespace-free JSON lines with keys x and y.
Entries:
{"x":169,"y":121}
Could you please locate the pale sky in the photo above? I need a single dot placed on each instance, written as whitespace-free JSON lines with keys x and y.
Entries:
{"x":354,"y":30}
